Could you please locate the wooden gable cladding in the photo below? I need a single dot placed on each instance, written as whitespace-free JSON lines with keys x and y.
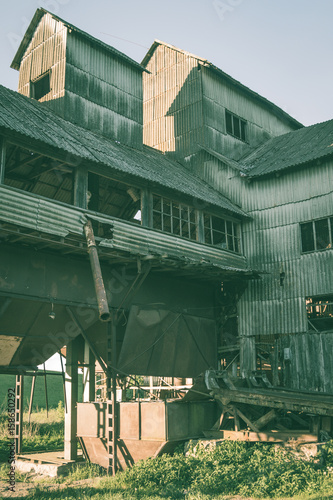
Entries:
{"x":46,"y":52}
{"x":90,"y":83}
{"x":172,"y":101}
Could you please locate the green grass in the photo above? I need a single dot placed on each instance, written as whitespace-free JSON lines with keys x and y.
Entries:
{"x":41,"y":434}
{"x":249,"y":470}
{"x":54,"y":391}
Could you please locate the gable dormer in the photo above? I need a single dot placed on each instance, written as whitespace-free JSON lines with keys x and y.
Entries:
{"x":81,"y":78}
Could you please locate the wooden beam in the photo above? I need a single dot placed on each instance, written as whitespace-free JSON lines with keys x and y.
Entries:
{"x":265,"y":419}
{"x":146,"y":208}
{"x":247,"y":421}
{"x":80,"y":194}
{"x":88,"y":374}
{"x":71,"y":384}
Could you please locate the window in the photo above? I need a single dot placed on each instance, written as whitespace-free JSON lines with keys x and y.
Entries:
{"x":40,"y":87}
{"x":235,"y":126}
{"x":320,"y":313}
{"x":173,"y":217}
{"x":317,"y":235}
{"x":222,"y":233}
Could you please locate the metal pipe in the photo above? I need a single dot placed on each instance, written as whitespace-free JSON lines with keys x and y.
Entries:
{"x":103,"y":307}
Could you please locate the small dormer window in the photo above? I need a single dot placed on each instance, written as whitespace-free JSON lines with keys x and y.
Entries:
{"x":235,"y":126}
{"x":40,"y":87}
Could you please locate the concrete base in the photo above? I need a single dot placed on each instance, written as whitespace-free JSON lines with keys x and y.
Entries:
{"x":51,"y":464}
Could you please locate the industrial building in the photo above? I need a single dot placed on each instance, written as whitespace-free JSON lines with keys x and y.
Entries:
{"x":161,"y":220}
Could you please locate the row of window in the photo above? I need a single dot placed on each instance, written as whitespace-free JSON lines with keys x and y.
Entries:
{"x":179,"y":219}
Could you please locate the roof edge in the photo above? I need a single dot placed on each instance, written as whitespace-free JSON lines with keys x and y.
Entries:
{"x":224,"y":75}
{"x":40,"y":12}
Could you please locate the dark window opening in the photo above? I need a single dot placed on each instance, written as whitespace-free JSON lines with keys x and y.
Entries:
{"x":320,"y":313}
{"x":235,"y":126}
{"x":317,"y":235}
{"x":38,"y":174}
{"x":113,"y":198}
{"x":222,"y":233}
{"x":39,"y":88}
{"x":175,"y":218}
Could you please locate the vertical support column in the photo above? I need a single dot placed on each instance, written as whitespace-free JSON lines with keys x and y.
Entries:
{"x":88,"y":375}
{"x":146,"y":208}
{"x":80,"y":194}
{"x":71,"y":387}
{"x":112,"y":423}
{"x":2,"y":159}
{"x":18,"y":413}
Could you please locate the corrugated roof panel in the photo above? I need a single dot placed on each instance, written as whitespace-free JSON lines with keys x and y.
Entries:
{"x":31,"y":119}
{"x":288,"y":150}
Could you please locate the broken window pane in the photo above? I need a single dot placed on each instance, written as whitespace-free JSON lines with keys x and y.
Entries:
{"x":320,"y":313}
{"x":228,"y":120}
{"x":222,"y":233}
{"x":39,"y":88}
{"x":322,"y":234}
{"x":307,"y":236}
{"x":317,"y":235}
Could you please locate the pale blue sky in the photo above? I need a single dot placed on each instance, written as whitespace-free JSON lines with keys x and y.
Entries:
{"x":279,"y":48}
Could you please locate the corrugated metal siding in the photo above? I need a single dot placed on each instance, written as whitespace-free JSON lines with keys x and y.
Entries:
{"x":272,"y":242}
{"x":38,"y":214}
{"x":141,"y":241}
{"x":103,"y":92}
{"x":148,"y":165}
{"x":311,"y":361}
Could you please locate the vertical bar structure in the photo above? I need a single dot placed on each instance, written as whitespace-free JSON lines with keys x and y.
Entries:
{"x":112,"y":423}
{"x":33,"y":383}
{"x":146,"y":208}
{"x":71,"y":386}
{"x":46,"y":398}
{"x":18,"y":413}
{"x":2,"y":159}
{"x":80,"y":194}
{"x":88,"y":374}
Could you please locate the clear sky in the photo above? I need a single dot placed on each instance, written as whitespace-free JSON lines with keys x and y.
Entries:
{"x":279,"y":48}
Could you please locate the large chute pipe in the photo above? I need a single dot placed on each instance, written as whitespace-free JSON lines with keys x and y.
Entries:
{"x":103,"y":307}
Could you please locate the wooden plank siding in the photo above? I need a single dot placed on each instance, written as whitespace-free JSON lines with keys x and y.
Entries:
{"x":172,"y":102}
{"x":46,"y":51}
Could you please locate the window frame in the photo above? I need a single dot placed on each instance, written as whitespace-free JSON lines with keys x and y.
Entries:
{"x":230,"y":120}
{"x":38,"y":80}
{"x":174,"y":214}
{"x":235,"y":233}
{"x":317,"y":318}
{"x":313,"y":222}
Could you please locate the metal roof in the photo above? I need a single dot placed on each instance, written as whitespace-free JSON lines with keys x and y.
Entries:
{"x":40,"y":12}
{"x":290,"y":150}
{"x":276,"y":110}
{"x":33,"y":120}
